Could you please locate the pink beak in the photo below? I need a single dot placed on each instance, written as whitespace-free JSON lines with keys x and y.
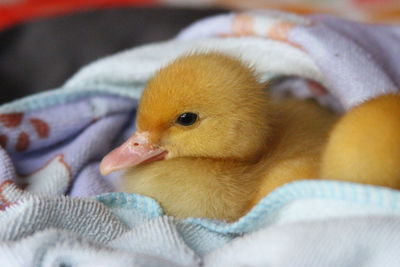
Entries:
{"x":136,"y":150}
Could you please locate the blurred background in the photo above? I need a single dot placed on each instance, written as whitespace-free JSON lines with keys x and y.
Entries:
{"x":43,"y":42}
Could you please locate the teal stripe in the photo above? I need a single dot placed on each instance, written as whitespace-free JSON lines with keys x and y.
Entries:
{"x":262,"y":214}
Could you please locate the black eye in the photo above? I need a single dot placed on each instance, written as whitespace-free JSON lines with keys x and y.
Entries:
{"x":186,"y":119}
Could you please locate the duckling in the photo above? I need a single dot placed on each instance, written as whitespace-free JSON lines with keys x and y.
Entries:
{"x":211,"y":141}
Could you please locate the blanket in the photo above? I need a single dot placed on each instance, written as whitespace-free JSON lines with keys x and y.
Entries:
{"x":57,"y":210}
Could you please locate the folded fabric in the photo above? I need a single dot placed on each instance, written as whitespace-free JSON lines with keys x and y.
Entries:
{"x":356,"y":241}
{"x":52,"y":144}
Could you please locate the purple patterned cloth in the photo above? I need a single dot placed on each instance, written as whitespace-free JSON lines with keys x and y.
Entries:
{"x":56,"y":150}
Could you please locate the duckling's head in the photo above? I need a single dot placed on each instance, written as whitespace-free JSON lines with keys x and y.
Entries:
{"x":202,"y":106}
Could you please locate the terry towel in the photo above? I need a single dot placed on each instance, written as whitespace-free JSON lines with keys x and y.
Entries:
{"x":57,"y":210}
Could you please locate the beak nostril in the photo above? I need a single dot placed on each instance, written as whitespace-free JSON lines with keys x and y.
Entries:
{"x":135,"y":144}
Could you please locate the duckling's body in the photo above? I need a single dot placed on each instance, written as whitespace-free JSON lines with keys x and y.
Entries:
{"x":364,"y":146}
{"x":211,"y":141}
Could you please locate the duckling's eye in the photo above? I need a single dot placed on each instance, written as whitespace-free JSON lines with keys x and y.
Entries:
{"x":186,"y":119}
